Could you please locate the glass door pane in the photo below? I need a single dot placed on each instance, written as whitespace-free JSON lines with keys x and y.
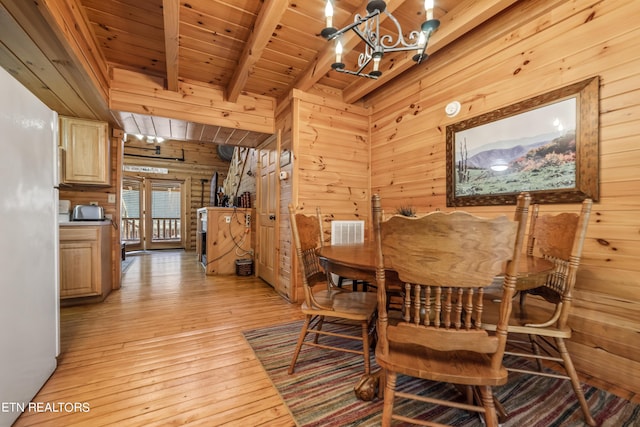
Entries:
{"x":131,"y":231}
{"x":165,"y":222}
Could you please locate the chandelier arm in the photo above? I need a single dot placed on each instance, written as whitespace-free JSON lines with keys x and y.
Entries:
{"x":399,"y":49}
{"x":364,"y":38}
{"x":356,"y":73}
{"x":359,"y":20}
{"x":363,"y":61}
{"x":399,"y":40}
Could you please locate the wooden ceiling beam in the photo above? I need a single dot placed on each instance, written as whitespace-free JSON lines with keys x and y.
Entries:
{"x":194,"y":101}
{"x":270,"y":15}
{"x":467,"y":15}
{"x":171,"y":17}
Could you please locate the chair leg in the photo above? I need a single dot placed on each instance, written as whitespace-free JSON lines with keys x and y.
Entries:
{"x":490,"y":415}
{"x":382,"y":381}
{"x":535,"y":349}
{"x":575,"y":382}
{"x":318,"y":328}
{"x":468,"y":392}
{"x":523,"y":298}
{"x":476,"y":399}
{"x":365,"y":347}
{"x":389,"y":396}
{"x":303,"y":333}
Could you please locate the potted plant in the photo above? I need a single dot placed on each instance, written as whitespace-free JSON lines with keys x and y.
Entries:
{"x":406,"y":211}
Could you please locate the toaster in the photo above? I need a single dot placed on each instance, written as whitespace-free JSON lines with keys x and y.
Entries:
{"x":87,"y":213}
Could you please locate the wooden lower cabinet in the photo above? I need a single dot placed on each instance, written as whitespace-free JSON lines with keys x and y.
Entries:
{"x":223,"y":237}
{"x":85,"y":263}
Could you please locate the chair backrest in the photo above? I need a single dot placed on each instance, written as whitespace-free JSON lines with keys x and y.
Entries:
{"x":559,"y":238}
{"x":307,"y":234}
{"x":444,"y":261}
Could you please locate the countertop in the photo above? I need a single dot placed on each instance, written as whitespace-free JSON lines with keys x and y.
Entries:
{"x":78,"y":223}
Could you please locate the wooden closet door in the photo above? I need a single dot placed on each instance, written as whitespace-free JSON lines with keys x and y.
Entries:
{"x":266,"y":210}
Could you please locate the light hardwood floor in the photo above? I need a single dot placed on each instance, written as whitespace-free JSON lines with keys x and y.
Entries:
{"x":167,"y":349}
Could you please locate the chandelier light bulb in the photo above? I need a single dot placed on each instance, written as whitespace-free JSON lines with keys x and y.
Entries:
{"x":428,"y":8}
{"x":338,"y":51}
{"x":328,"y":13}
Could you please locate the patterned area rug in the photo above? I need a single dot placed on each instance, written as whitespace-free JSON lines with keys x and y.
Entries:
{"x":320,"y":392}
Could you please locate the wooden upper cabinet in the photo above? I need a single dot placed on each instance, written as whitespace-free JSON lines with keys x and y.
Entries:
{"x":85,"y":151}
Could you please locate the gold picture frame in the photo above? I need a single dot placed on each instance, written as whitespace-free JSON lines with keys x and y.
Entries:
{"x":546,"y":145}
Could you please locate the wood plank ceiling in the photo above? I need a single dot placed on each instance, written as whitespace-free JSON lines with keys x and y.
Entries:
{"x":261,"y":47}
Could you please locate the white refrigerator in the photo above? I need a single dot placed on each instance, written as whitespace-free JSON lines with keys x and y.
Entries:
{"x":29,"y":304}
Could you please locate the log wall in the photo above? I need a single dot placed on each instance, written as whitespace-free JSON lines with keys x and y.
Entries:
{"x":535,"y":47}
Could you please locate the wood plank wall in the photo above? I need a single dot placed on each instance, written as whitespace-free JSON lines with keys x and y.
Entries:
{"x":332,"y":151}
{"x":285,"y":285}
{"x":330,"y":146}
{"x":200,"y":162}
{"x":533,"y":48}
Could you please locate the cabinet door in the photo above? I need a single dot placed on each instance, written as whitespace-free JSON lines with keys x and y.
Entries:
{"x":78,"y":275}
{"x":85,"y":145}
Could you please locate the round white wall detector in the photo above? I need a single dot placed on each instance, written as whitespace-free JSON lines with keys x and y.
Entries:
{"x":452,"y":109}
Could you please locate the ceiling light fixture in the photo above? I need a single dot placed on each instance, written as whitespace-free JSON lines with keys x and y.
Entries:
{"x":377,"y":44}
{"x":151,"y":139}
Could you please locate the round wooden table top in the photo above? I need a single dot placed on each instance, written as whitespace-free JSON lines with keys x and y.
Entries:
{"x":358,"y":261}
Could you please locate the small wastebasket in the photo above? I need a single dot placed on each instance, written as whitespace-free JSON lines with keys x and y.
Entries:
{"x":244,"y":267}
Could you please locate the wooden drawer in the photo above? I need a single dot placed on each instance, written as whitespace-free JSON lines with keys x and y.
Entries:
{"x":79,"y":233}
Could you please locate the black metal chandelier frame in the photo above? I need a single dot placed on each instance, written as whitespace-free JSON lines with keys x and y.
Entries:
{"x":376,"y":45}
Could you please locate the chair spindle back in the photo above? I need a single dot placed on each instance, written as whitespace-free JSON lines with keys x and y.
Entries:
{"x":444,"y":261}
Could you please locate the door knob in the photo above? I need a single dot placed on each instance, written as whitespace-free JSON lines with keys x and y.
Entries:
{"x":272,"y":217}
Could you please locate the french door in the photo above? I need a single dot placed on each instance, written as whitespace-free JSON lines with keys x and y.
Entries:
{"x":152,"y":214}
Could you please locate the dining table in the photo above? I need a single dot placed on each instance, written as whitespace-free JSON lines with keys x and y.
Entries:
{"x":357,"y":261}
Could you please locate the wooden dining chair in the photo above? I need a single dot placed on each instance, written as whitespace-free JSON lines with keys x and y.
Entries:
{"x":325,"y":303}
{"x":558,"y":238}
{"x":445,"y":261}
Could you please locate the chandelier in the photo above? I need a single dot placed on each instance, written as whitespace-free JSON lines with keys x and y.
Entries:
{"x":377,"y":44}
